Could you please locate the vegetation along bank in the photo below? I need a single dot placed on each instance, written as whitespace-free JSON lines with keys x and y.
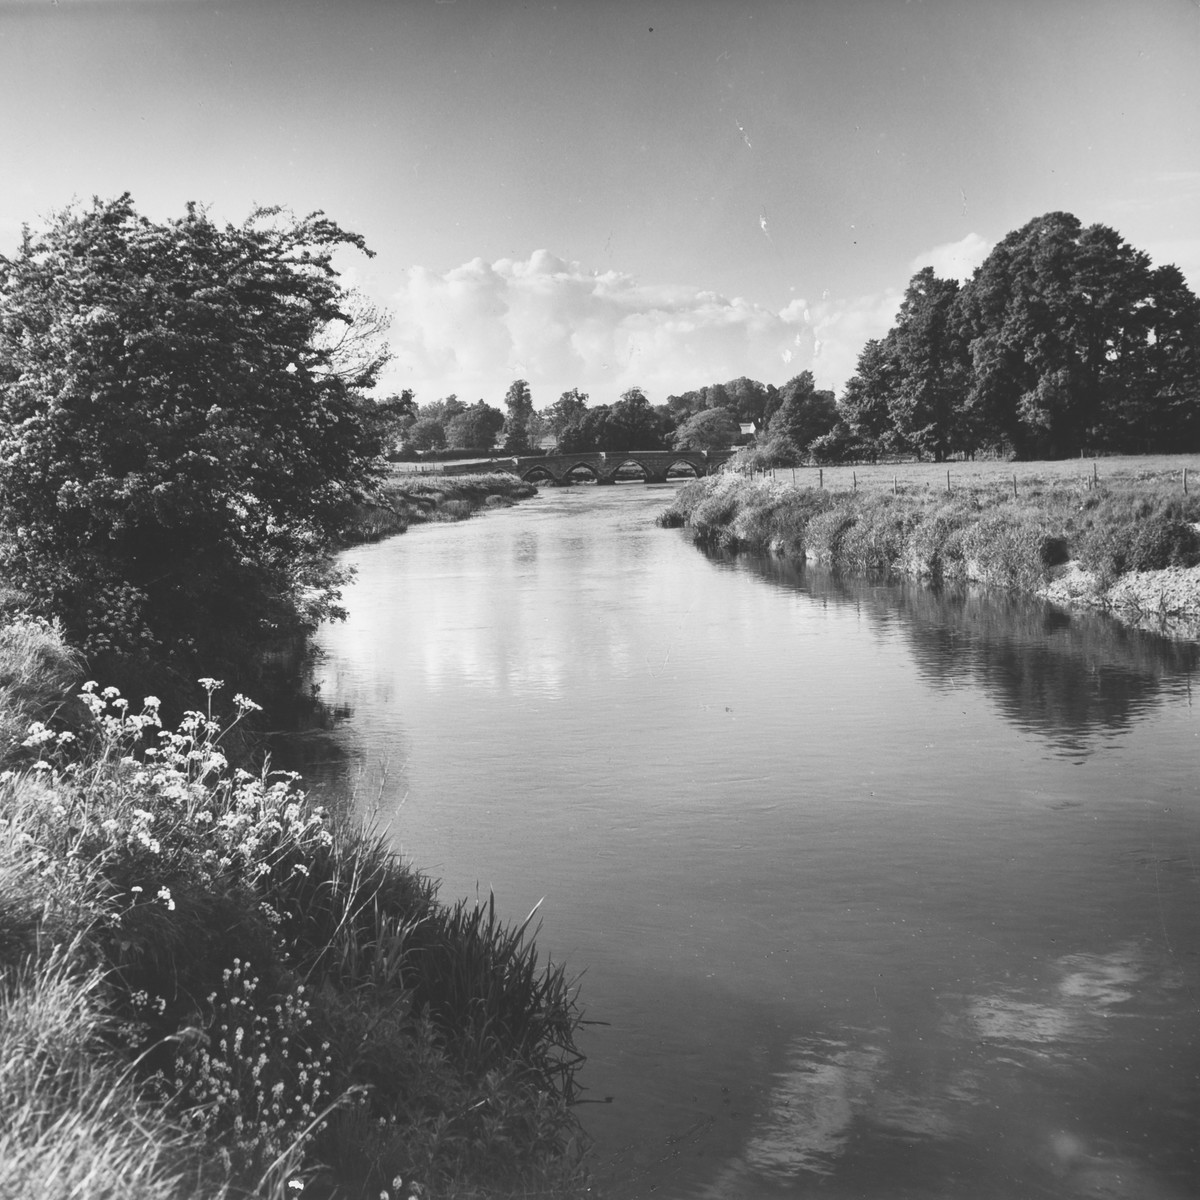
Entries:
{"x":1129,"y":542}
{"x":406,"y":499}
{"x":209,"y":987}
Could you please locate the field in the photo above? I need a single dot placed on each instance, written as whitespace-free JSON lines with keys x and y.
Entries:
{"x":998,"y":475}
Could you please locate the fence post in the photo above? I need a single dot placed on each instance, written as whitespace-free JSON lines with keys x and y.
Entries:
{"x":1185,"y":481}
{"x":1014,"y":485}
{"x":820,"y":477}
{"x":793,"y":476}
{"x":947,"y":483}
{"x":856,"y":478}
{"x":1095,"y":474}
{"x":895,"y":485}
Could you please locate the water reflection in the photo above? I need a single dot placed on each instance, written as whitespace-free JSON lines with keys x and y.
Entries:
{"x":853,"y":927}
{"x":844,"y":1097}
{"x":1069,"y":676}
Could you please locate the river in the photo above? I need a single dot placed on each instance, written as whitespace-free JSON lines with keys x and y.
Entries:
{"x":879,"y":892}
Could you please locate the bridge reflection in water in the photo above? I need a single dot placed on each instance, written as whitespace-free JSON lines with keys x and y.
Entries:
{"x":603,"y":466}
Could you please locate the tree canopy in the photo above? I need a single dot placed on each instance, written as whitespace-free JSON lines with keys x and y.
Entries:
{"x":1065,"y":339}
{"x":183,"y":426}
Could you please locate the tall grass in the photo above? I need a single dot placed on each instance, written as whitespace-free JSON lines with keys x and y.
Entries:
{"x":296,"y":1001}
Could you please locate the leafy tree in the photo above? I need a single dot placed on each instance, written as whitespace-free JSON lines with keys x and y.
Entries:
{"x":182,"y":430}
{"x":520,"y":409}
{"x":930,"y":368}
{"x":566,"y":410}
{"x":1171,"y":395}
{"x":1058,"y":322}
{"x":633,"y":424}
{"x":804,"y":413}
{"x":712,"y":429}
{"x":396,"y":414}
{"x":426,"y":433}
{"x":865,"y":401}
{"x":477,"y":426}
{"x":747,"y":401}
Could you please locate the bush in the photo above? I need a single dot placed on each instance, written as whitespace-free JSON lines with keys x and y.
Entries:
{"x":1123,"y":532}
{"x":182,"y":432}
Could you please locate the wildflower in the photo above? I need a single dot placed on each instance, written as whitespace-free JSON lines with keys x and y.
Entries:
{"x":164,"y":894}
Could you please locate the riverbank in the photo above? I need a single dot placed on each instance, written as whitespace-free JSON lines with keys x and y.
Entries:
{"x":1130,"y":547}
{"x":408,"y":499}
{"x":210,"y":988}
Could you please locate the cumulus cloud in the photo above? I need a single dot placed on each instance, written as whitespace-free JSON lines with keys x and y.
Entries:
{"x":475,"y":328}
{"x":954,"y":260}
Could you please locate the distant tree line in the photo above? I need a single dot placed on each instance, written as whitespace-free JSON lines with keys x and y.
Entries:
{"x":1064,"y":340}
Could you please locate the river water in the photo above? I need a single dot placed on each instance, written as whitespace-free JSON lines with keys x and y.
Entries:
{"x":879,"y":892}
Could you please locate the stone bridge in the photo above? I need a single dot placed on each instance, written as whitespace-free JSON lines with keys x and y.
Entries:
{"x":603,"y":466}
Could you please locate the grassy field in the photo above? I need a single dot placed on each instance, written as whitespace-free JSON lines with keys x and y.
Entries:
{"x":996,"y":475}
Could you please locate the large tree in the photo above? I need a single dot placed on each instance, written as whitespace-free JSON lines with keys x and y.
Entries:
{"x":520,"y":412}
{"x":1058,"y":320}
{"x":183,"y":427}
{"x":805,"y":413}
{"x":930,"y":369}
{"x":566,"y":410}
{"x":712,"y":429}
{"x":476,"y":426}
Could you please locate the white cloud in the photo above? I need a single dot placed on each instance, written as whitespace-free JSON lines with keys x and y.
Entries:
{"x":843,"y":327}
{"x":954,"y":260}
{"x":475,"y":328}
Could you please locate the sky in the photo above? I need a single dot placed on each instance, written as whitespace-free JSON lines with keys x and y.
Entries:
{"x":605,"y":194}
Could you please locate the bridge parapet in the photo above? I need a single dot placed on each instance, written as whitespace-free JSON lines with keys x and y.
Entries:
{"x":605,"y":466}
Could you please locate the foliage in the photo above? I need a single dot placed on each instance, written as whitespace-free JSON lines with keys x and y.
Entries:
{"x":287,"y":987}
{"x":747,"y":400}
{"x":72,"y":1121}
{"x":1120,"y":533}
{"x":37,"y":668}
{"x":804,"y":414}
{"x":712,"y":429}
{"x":1065,"y":339}
{"x":426,"y":433}
{"x":180,"y":435}
{"x":476,"y":426}
{"x":981,"y":533}
{"x":519,"y":404}
{"x":567,"y":410}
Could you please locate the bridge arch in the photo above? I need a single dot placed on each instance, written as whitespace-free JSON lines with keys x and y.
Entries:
{"x":616,"y":462}
{"x":538,"y":471}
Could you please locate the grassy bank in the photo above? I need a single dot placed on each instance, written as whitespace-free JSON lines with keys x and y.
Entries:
{"x":1128,"y":542}
{"x":210,"y":989}
{"x":410,"y":499}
